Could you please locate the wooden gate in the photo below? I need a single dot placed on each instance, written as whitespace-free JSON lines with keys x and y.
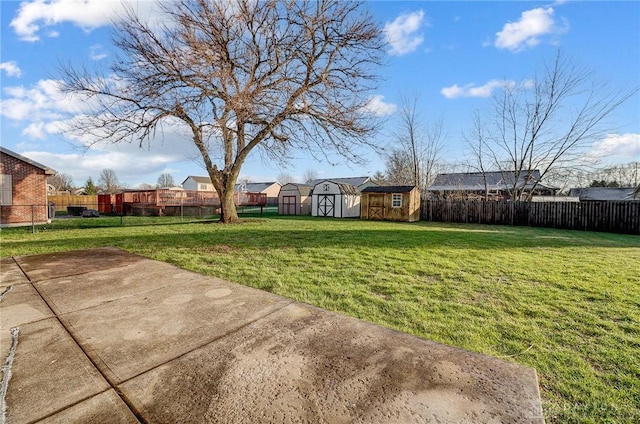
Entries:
{"x":289,"y":205}
{"x":326,"y":204}
{"x":376,"y":206}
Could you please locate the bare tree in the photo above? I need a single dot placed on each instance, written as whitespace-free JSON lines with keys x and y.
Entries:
{"x":398,"y":167}
{"x":284,"y":178}
{"x":379,"y":178}
{"x":61,"y":181}
{"x":242,"y":76}
{"x":547,"y":122}
{"x":310,"y":175}
{"x":165,"y":180}
{"x":108,"y":181}
{"x":420,"y":145}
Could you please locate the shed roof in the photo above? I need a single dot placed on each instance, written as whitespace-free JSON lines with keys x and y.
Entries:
{"x":46,"y":169}
{"x":356,"y":181}
{"x":389,"y":189}
{"x":344,"y":188}
{"x":304,"y":189}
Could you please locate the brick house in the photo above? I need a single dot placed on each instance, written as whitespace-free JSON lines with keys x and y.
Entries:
{"x":23,"y":190}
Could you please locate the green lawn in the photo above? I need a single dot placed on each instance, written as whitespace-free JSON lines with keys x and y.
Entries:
{"x":564,"y":302}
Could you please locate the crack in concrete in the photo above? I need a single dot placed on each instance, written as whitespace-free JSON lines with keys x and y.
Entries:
{"x":4,"y":292}
{"x":6,"y":373}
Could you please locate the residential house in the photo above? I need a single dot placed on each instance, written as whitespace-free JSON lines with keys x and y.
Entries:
{"x":194,"y":183}
{"x":23,"y":190}
{"x":271,"y":189}
{"x":495,"y":185}
{"x":611,"y":194}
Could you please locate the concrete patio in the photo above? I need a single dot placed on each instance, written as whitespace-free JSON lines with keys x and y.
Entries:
{"x":102,"y":335}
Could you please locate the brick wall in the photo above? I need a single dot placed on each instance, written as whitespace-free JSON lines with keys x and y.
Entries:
{"x":29,"y":192}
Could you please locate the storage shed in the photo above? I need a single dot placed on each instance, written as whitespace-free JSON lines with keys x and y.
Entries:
{"x":294,"y":199}
{"x":391,"y":203}
{"x":338,"y":200}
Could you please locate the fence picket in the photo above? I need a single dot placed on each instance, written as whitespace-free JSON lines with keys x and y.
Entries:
{"x":618,"y":217}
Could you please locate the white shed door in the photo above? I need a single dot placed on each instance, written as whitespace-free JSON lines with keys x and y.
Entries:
{"x":326,"y":204}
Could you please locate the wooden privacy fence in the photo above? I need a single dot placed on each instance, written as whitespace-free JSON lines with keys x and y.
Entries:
{"x":614,"y":217}
{"x":62,"y":201}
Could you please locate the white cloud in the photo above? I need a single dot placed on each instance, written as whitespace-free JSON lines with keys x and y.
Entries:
{"x":402,"y":34}
{"x":378,"y":107}
{"x":526,"y":32}
{"x":40,"y":101}
{"x":33,"y":16}
{"x":619,"y":146}
{"x":97,"y":52}
{"x":11,"y":69}
{"x":469,"y":90}
{"x":127,"y":166}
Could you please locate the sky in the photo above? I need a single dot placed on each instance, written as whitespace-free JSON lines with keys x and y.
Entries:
{"x":452,"y":56}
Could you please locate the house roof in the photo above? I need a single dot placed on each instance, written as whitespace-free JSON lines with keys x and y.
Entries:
{"x":200,"y":180}
{"x":356,"y":181}
{"x":254,"y":187}
{"x":46,"y":169}
{"x":603,"y":193}
{"x":247,"y":187}
{"x":389,"y":189}
{"x":496,"y":180}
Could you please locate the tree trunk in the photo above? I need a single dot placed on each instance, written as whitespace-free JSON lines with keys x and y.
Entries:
{"x":225,"y":185}
{"x":228,"y":212}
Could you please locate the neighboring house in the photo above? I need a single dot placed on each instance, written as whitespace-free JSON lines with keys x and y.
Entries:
{"x":335,"y":199}
{"x":294,"y":199}
{"x":497,"y":185}
{"x":360,"y":182}
{"x":604,"y":194}
{"x":23,"y":190}
{"x":194,"y":183}
{"x":271,"y":189}
{"x":391,"y":203}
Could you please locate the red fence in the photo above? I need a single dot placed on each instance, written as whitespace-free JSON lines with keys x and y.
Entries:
{"x":614,"y":217}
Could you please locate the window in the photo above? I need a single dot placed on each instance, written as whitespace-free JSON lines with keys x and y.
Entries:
{"x":396,"y":200}
{"x":6,"y":198}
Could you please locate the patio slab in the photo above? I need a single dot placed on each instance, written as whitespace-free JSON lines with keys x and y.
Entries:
{"x":49,"y":372}
{"x":10,"y":273}
{"x":134,"y":339}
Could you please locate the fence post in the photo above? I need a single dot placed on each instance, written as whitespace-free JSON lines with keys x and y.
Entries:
{"x":33,"y":219}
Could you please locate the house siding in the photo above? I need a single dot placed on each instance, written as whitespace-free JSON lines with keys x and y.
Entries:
{"x":28,"y":193}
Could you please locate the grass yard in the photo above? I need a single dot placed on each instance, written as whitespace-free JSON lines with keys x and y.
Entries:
{"x":564,"y":302}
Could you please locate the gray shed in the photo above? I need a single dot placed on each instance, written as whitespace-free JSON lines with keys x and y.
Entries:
{"x":294,"y":199}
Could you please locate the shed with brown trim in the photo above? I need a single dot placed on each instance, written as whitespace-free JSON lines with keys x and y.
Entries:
{"x":390,"y":203}
{"x":294,"y":199}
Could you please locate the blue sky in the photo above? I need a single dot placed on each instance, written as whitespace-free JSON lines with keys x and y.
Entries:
{"x":454,"y":55}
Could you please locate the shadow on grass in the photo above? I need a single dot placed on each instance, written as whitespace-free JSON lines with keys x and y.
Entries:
{"x":311,"y":233}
